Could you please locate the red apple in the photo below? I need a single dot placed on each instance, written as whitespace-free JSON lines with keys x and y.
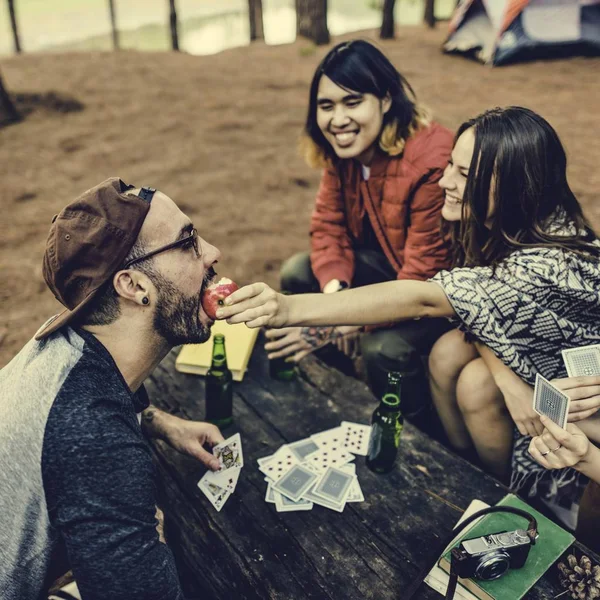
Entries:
{"x":215,"y":293}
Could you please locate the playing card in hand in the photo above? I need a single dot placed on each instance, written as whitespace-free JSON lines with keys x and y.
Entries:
{"x":582,"y":362}
{"x":548,"y":400}
{"x":230,"y":453}
{"x":215,"y":494}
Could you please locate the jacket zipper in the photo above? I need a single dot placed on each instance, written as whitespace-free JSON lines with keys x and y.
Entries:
{"x":391,"y":253}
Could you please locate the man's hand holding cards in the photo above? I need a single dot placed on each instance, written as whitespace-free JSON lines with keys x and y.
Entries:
{"x":217,"y":486}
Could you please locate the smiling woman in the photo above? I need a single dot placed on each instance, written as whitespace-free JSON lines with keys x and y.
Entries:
{"x":377,"y":213}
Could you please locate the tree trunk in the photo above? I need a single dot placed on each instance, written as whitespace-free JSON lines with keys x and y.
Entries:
{"x":113,"y":24}
{"x":311,"y":20}
{"x":173,"y":21}
{"x":387,"y":23}
{"x":255,"y":12}
{"x":13,"y":23}
{"x":430,"y":13}
{"x":8,"y":112}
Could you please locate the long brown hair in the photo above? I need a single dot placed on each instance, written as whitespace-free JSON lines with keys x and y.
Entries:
{"x":519,"y":162}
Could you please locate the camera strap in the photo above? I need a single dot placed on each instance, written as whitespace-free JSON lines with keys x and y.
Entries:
{"x":432,"y":560}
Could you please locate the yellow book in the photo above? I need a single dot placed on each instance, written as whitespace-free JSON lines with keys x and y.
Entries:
{"x":239,"y":342}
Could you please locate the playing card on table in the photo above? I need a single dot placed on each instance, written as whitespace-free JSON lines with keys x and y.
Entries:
{"x":279,"y":464}
{"x":270,"y":495}
{"x":334,"y":485}
{"x":329,"y":440}
{"x":216,"y":495}
{"x":323,"y":459}
{"x":548,"y":400}
{"x":355,"y":494}
{"x":302,"y":448}
{"x":230,"y":453}
{"x":338,"y":506}
{"x":295,"y":482}
{"x":581,"y":362}
{"x":283,"y":504}
{"x":355,"y":437}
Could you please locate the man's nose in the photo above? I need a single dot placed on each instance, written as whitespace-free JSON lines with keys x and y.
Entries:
{"x":210,"y":254}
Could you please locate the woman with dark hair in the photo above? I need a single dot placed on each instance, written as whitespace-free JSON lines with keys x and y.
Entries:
{"x":526,"y":285}
{"x":377,"y":212}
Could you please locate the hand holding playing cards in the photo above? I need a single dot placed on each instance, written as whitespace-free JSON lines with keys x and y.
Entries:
{"x":584,"y":393}
{"x":517,"y":395}
{"x":559,"y":448}
{"x":257,"y":305}
{"x":190,"y":437}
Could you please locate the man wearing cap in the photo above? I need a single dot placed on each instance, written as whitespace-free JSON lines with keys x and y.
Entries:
{"x":75,"y":471}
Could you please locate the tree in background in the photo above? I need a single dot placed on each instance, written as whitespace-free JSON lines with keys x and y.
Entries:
{"x":430,"y":13}
{"x":173,"y":22}
{"x":8,"y":112}
{"x":113,"y":24}
{"x":13,"y":24}
{"x":255,"y":13}
{"x":311,"y":20}
{"x":387,"y":23}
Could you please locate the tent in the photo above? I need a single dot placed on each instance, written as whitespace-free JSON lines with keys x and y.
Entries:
{"x":501,"y":31}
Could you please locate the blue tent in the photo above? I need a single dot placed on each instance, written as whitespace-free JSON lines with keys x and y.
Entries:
{"x":501,"y":31}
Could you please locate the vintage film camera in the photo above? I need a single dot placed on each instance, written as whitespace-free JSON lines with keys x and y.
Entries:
{"x":490,"y":556}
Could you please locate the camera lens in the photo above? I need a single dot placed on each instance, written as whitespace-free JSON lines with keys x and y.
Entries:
{"x":492,"y":565}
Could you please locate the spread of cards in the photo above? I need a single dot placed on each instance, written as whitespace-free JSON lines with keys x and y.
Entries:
{"x":217,"y":486}
{"x":548,"y":400}
{"x":317,"y":469}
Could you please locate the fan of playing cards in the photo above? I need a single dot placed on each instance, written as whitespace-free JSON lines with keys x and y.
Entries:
{"x":219,"y":485}
{"x":317,"y":469}
{"x":548,"y":400}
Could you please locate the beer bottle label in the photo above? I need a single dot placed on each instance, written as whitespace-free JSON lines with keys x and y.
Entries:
{"x":375,"y":440}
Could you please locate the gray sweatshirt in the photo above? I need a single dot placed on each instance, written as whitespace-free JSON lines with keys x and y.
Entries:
{"x":76,"y":477}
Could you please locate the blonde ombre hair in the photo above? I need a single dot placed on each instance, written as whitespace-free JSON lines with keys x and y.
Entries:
{"x":361,"y":67}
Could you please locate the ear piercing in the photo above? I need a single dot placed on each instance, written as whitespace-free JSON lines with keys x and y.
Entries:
{"x":145,"y":300}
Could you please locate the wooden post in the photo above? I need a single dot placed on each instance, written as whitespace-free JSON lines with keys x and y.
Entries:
{"x":311,"y":20}
{"x":255,"y":13}
{"x":113,"y":23}
{"x":13,"y":23}
{"x":8,"y":111}
{"x":430,"y":13}
{"x":387,"y":23}
{"x":173,"y":22}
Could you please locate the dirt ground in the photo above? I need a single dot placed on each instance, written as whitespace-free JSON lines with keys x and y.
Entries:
{"x":219,"y":135}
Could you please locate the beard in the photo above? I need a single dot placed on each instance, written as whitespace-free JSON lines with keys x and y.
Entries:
{"x":177,"y":317}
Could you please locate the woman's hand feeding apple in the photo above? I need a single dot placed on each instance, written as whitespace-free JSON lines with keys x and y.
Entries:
{"x":257,"y":305}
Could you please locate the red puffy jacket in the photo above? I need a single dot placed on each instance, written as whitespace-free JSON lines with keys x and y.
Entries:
{"x":403,"y":201}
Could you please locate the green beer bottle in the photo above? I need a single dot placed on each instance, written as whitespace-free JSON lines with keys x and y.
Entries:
{"x":387,"y":423}
{"x":280,"y":368}
{"x":219,"y":386}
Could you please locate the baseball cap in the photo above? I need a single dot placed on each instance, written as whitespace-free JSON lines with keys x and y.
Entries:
{"x":88,"y":241}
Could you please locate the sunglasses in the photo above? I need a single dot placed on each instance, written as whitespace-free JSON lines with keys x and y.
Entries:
{"x":190,"y":241}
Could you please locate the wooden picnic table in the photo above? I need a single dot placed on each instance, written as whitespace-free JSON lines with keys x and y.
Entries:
{"x":373,"y":549}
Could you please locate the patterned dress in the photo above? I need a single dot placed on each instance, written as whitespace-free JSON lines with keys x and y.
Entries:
{"x":534,"y":304}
